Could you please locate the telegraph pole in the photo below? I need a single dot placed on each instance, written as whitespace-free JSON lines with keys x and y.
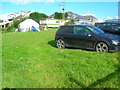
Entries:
{"x":62,"y":4}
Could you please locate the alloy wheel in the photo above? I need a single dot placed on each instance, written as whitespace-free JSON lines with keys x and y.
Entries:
{"x":60,"y":44}
{"x":102,"y":47}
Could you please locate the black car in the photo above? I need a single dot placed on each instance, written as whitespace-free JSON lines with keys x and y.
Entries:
{"x":109,"y":27}
{"x":86,"y":37}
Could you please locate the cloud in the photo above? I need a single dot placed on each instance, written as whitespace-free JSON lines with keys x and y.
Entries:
{"x":108,"y":17}
{"x":19,"y":2}
{"x":52,"y":1}
{"x":88,"y":13}
{"x":23,"y":2}
{"x":117,"y":17}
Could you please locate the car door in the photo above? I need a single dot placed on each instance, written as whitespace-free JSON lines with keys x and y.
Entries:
{"x":107,"y":27}
{"x":68,"y":35}
{"x":83,"y":37}
{"x":116,"y":28}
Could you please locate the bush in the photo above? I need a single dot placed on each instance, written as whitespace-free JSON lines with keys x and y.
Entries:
{"x":16,"y":23}
{"x":1,"y":21}
{"x":8,"y":29}
{"x":70,"y":22}
{"x":3,"y":30}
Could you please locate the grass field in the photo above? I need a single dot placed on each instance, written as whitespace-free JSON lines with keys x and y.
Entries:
{"x":31,"y":60}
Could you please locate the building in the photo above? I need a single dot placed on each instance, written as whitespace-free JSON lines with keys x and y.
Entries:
{"x":52,"y":22}
{"x":6,"y":24}
{"x":25,"y":14}
{"x":91,"y":19}
{"x":51,"y":16}
{"x":78,"y":19}
{"x":12,"y":16}
{"x":112,"y":20}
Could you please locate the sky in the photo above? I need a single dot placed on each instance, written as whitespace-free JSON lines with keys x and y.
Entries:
{"x":101,"y":10}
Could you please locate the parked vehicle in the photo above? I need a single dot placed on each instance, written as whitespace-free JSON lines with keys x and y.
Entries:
{"x":109,"y":27}
{"x":86,"y":37}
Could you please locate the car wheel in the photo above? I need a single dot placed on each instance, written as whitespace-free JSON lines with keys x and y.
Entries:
{"x":101,"y":47}
{"x":60,"y":44}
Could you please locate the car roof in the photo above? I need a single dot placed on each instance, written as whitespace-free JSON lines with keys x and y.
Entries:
{"x":108,"y":22}
{"x":84,"y":25}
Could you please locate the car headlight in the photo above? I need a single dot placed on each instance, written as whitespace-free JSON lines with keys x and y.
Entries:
{"x":115,"y":42}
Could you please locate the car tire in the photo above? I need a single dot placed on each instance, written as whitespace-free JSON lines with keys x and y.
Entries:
{"x":60,"y":44}
{"x":101,"y":47}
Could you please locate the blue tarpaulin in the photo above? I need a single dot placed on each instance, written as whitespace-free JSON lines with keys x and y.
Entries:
{"x":34,"y":29}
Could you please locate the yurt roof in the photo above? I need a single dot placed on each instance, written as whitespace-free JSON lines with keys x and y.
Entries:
{"x":28,"y":23}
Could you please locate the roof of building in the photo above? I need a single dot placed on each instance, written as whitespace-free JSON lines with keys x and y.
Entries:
{"x":30,"y":21}
{"x":3,"y":23}
{"x":77,"y":25}
{"x":51,"y":19}
{"x":90,"y":17}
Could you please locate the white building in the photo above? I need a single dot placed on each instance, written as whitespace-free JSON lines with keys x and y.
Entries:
{"x":6,"y":24}
{"x":12,"y":16}
{"x":52,"y":22}
{"x":25,"y":14}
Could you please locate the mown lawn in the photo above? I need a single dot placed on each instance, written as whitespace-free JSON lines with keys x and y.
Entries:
{"x":31,"y":60}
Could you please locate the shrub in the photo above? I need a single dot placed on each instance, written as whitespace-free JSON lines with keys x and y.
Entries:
{"x":1,"y":21}
{"x":15,"y":23}
{"x":4,"y":30}
{"x":70,"y":22}
{"x":8,"y":29}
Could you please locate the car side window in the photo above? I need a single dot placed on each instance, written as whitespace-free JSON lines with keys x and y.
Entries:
{"x":68,"y":29}
{"x":107,"y":26}
{"x":60,"y":29}
{"x":116,"y":26}
{"x":81,"y":31}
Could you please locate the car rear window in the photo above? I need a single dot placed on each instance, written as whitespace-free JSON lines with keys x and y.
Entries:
{"x":66,"y":29}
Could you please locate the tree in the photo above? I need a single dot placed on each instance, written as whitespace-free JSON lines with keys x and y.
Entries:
{"x":37,"y":16}
{"x":42,"y":15}
{"x":16,"y":23}
{"x":66,"y":16}
{"x":70,"y":22}
{"x":1,"y":21}
{"x":23,"y":19}
{"x":60,"y":15}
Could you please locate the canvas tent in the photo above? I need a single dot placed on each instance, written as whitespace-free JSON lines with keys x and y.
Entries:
{"x":28,"y":25}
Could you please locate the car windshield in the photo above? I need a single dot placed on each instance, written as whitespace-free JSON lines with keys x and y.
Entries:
{"x":95,"y":30}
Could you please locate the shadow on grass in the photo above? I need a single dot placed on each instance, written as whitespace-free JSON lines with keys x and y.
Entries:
{"x":53,"y":44}
{"x":77,"y":82}
{"x":99,"y":81}
{"x":104,"y":79}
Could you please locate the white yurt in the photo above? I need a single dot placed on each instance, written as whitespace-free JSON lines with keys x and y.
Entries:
{"x":28,"y":25}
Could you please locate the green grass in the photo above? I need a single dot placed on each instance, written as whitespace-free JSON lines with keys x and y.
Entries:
{"x":31,"y":60}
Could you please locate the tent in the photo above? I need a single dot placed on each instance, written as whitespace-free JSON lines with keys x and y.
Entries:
{"x":28,"y":25}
